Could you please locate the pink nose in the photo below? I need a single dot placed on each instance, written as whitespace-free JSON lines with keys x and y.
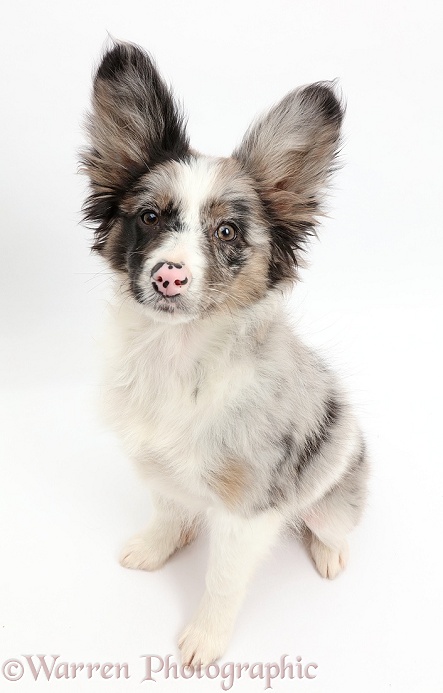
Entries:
{"x":170,"y":278}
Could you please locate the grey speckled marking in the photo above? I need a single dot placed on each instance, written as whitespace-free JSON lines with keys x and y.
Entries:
{"x":314,"y":441}
{"x":292,"y":463}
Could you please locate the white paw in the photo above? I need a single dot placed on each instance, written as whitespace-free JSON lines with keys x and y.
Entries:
{"x":142,"y":554}
{"x":200,"y":647}
{"x":329,"y":562}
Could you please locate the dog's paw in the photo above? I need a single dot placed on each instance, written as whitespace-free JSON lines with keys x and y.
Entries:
{"x":142,"y":554}
{"x":329,"y":562}
{"x":200,"y":647}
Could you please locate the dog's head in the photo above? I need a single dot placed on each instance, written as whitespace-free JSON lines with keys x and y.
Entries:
{"x":193,"y":234}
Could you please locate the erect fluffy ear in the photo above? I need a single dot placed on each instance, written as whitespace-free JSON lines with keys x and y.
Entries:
{"x":134,"y":124}
{"x":290,"y":152}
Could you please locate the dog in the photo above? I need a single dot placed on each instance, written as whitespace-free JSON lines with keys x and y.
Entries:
{"x":230,"y":418}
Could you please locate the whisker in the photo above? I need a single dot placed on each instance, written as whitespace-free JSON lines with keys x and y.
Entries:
{"x":92,"y":288}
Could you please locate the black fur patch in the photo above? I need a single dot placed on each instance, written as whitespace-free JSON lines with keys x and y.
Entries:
{"x":135,"y":239}
{"x":314,"y":442}
{"x":241,"y":213}
{"x":326,"y":102}
{"x":234,"y":258}
{"x":288,"y":242}
{"x":145,"y":120}
{"x":282,"y":474}
{"x":293,"y":462}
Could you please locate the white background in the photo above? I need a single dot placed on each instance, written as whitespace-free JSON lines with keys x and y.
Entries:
{"x":371,"y":302}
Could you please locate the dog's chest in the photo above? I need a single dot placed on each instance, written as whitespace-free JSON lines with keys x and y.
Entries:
{"x":169,"y":395}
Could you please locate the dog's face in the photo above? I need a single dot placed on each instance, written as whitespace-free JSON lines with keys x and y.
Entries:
{"x":192,"y":234}
{"x":191,"y":238}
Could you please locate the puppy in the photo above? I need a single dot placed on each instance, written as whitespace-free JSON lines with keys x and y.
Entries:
{"x":227,"y":415}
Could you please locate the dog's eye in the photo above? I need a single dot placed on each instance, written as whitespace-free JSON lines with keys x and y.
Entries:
{"x":150,"y":218}
{"x":226,"y":232}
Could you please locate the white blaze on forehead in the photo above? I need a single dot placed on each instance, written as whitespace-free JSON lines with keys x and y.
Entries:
{"x":195,"y":183}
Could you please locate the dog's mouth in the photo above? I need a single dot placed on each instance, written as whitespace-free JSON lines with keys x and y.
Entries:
{"x":177,"y":307}
{"x":169,"y":304}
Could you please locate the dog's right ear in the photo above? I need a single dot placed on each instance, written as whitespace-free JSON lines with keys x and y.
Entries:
{"x":134,"y":124}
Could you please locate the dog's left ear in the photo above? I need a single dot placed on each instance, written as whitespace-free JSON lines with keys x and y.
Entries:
{"x":134,"y":124}
{"x":290,"y":152}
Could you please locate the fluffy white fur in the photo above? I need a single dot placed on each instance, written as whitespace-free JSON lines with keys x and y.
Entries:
{"x":153,"y":371}
{"x":231,"y":420}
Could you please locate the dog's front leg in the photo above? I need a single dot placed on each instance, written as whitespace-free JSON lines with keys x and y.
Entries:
{"x":237,"y":544}
{"x":171,"y":528}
